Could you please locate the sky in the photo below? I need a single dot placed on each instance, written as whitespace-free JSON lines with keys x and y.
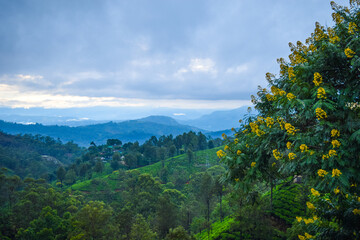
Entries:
{"x":183,"y":54}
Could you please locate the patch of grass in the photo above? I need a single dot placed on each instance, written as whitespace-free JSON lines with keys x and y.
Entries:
{"x":217,"y":230}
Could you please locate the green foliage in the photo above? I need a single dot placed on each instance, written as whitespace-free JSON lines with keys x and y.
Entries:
{"x":141,"y":230}
{"x":308,"y":125}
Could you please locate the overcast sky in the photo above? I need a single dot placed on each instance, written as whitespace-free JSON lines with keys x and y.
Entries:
{"x":158,"y":53}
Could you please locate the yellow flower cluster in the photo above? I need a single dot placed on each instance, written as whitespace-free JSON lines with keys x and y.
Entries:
{"x":290,"y":129}
{"x":299,"y":219}
{"x":319,"y":32}
{"x":335,"y":133}
{"x":238,"y":152}
{"x":270,"y":97}
{"x":277,"y":91}
{"x":325,"y":156}
{"x":332,"y":153}
{"x":307,"y":236}
{"x":336,"y":173}
{"x":310,"y":205}
{"x":317,"y":79}
{"x":303,"y":147}
{"x":226,"y":147}
{"x":333,"y":38}
{"x":291,"y":73}
{"x":321,"y":93}
{"x":220,"y":153}
{"x":269,"y":76}
{"x":320,"y":114}
{"x":277,"y":154}
{"x":296,"y":58}
{"x":312,"y":48}
{"x":269,"y":122}
{"x":336,"y":190}
{"x":315,"y":193}
{"x":292,"y":156}
{"x":290,"y":96}
{"x":255,"y":129}
{"x":349,"y":53}
{"x":337,"y":18}
{"x":356,"y":211}
{"x":253,"y":164}
{"x":288,"y":145}
{"x":352,"y":28}
{"x":224,"y":136}
{"x":236,"y":141}
{"x":322,"y":173}
{"x":335,"y":143}
{"x":309,"y":220}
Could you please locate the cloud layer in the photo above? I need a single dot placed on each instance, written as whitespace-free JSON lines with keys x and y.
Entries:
{"x":112,"y":52}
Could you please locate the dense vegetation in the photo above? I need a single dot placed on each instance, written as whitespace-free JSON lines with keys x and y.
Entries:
{"x":308,"y":128}
{"x":290,"y":172}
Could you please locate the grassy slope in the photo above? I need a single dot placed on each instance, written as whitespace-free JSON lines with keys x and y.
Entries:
{"x":176,"y":164}
{"x":217,"y":228}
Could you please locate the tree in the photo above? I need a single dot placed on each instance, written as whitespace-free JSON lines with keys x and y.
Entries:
{"x":60,"y":174}
{"x":99,"y":167}
{"x":308,"y":125}
{"x":95,"y":221}
{"x":178,"y":233}
{"x":116,"y":158}
{"x":140,"y":230}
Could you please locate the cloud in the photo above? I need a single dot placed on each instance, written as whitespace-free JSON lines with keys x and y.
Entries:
{"x":12,"y":97}
{"x":111,"y":51}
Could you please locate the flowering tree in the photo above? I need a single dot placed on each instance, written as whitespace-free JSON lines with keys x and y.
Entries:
{"x":309,"y":125}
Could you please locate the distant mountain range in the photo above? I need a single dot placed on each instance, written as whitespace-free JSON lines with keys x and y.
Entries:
{"x":219,"y":120}
{"x":212,"y":125}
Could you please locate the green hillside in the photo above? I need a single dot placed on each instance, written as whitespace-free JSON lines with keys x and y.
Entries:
{"x":174,"y":166}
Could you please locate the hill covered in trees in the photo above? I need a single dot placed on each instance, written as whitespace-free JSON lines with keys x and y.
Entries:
{"x":128,"y":131}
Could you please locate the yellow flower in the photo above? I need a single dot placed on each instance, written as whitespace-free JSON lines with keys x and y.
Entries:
{"x":335,"y":143}
{"x":320,"y":114}
{"x":303,"y":147}
{"x":291,"y":72}
{"x":299,"y":219}
{"x":253,"y":164}
{"x":301,"y":237}
{"x":220,"y":153}
{"x":315,"y":218}
{"x":292,"y":156}
{"x":334,"y":39}
{"x":337,"y":18}
{"x":226,"y":147}
{"x":312,"y":47}
{"x":282,"y":93}
{"x":273,"y":164}
{"x":224,"y":136}
{"x":349,"y":53}
{"x":308,"y":236}
{"x":310,"y":205}
{"x":236,"y":141}
{"x":332,"y":153}
{"x":322,"y":173}
{"x":336,"y":190}
{"x":238,"y":152}
{"x":356,"y":211}
{"x":315,"y":193}
{"x":309,"y":220}
{"x":236,"y":179}
{"x":290,"y":96}
{"x":352,"y":27}
{"x":317,"y":79}
{"x":269,"y":97}
{"x":269,"y":122}
{"x":321,"y":93}
{"x":290,"y":129}
{"x":247,"y":145}
{"x":335,"y":133}
{"x":288,"y":145}
{"x":276,"y":154}
{"x":358,"y":199}
{"x":325,"y":156}
{"x":336,"y":172}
